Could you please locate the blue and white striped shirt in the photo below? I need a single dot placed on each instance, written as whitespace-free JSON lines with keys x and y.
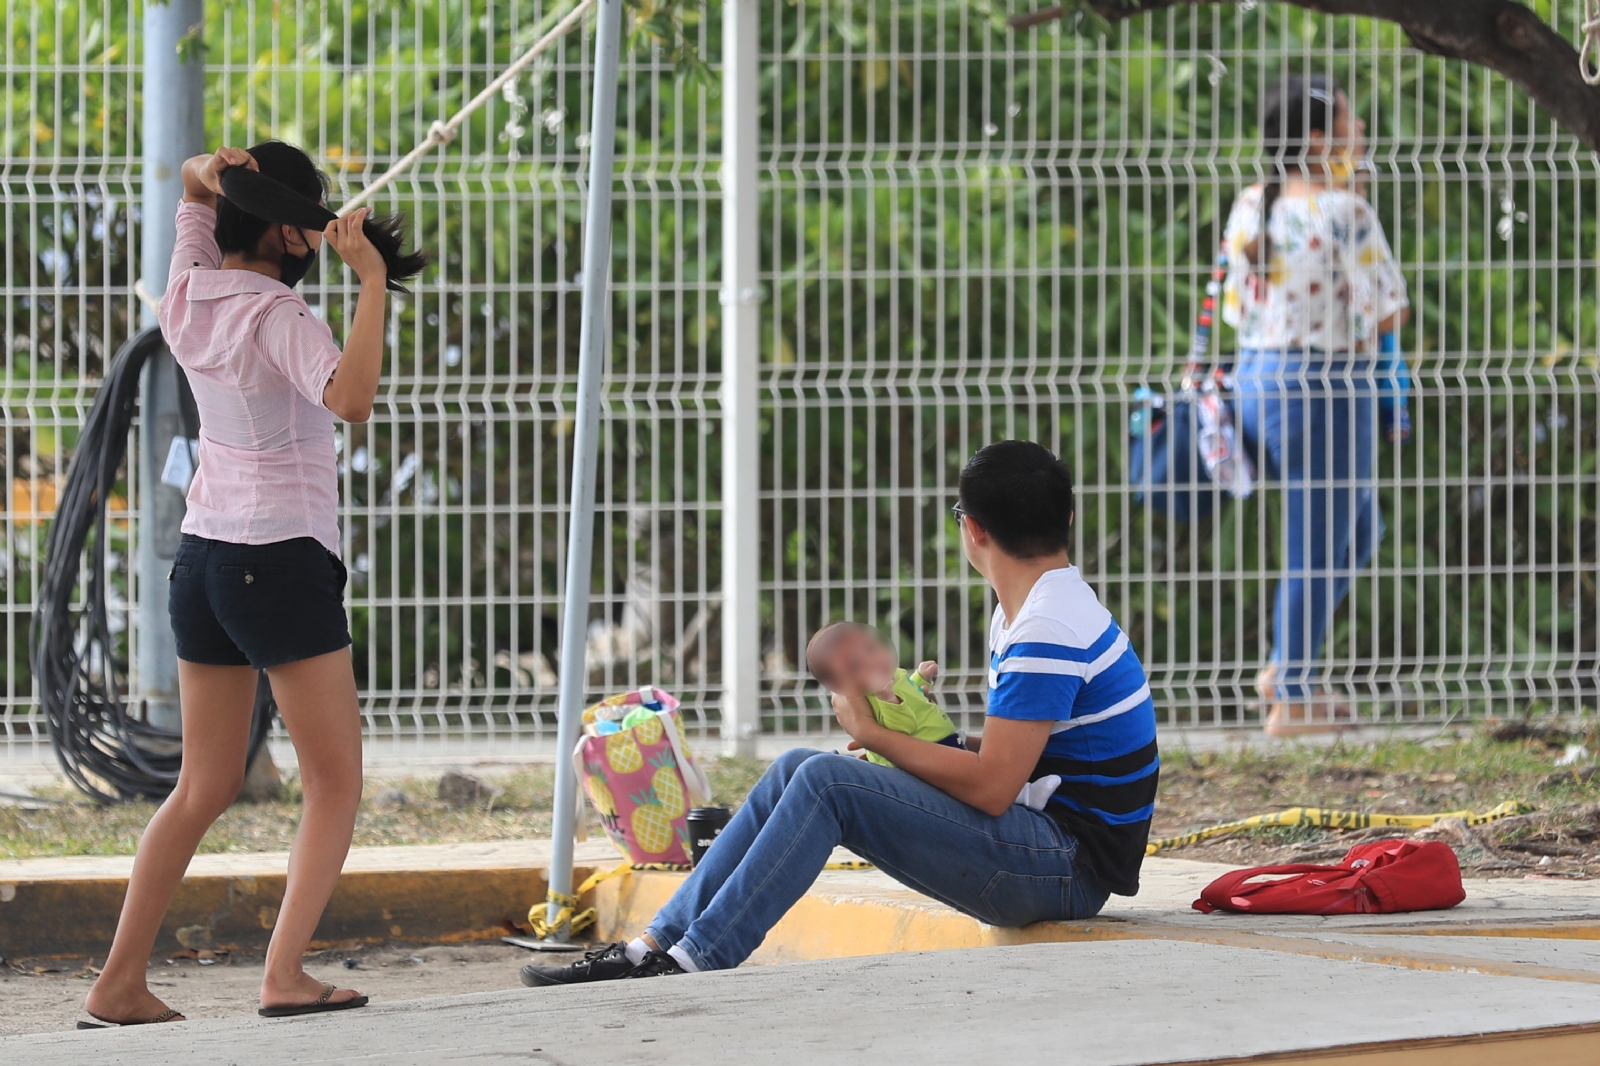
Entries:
{"x":1065,"y":660}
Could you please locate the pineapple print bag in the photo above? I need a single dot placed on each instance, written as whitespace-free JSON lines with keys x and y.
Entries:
{"x":643,"y":780}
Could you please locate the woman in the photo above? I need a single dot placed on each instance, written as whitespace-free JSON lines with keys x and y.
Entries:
{"x":257,"y":583}
{"x":1311,"y":286}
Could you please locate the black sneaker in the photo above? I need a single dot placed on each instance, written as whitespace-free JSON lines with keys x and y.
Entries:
{"x":602,"y":964}
{"x":655,"y":964}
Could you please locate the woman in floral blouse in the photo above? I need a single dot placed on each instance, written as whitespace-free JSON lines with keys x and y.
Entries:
{"x":1311,"y":286}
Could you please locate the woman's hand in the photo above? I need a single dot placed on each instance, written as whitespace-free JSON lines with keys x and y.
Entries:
{"x":855,"y":717}
{"x":359,"y":253}
{"x":202,"y":175}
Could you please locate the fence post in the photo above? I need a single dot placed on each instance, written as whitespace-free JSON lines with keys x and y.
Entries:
{"x":174,"y":130}
{"x":741,"y":366}
{"x":585,"y":453}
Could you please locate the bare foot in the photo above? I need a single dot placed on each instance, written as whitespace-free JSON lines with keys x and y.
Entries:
{"x":135,"y":1005}
{"x":298,"y":991}
{"x":1321,"y":714}
{"x":1267,"y":682}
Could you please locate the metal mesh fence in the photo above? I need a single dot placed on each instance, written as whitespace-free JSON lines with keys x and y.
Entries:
{"x":967,"y":233}
{"x":975,"y":237}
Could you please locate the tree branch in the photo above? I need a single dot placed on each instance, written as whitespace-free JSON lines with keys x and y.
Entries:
{"x":1502,"y":35}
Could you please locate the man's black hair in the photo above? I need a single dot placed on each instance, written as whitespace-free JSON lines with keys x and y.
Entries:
{"x":1021,"y":495}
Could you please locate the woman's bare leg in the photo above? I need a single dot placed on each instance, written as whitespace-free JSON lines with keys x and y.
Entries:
{"x":216,"y":702}
{"x":317,"y":699}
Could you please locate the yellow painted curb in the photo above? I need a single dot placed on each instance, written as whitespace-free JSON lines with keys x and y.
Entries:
{"x":828,"y":923}
{"x":1571,"y":1045}
{"x":833,"y":922}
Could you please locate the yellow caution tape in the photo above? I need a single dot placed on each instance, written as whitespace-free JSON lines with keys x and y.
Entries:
{"x":567,"y":914}
{"x":576,"y":921}
{"x":1316,"y":816}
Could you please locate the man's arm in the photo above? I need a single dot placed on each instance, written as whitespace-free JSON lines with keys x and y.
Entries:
{"x":988,"y":779}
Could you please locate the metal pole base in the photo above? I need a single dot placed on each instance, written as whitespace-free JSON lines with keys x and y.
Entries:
{"x":529,"y":944}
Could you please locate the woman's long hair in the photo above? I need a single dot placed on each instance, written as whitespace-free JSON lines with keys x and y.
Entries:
{"x":289,"y":190}
{"x":1295,"y":108}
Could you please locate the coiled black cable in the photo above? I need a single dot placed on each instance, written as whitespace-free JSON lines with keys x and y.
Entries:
{"x":108,"y":752}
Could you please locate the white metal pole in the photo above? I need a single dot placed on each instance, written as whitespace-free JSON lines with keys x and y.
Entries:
{"x":173,"y":130}
{"x":741,"y":364}
{"x":585,"y":446}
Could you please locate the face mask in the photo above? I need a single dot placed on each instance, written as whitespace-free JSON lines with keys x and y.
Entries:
{"x":291,"y":268}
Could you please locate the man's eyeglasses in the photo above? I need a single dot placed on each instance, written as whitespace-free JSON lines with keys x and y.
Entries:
{"x":957,"y":512}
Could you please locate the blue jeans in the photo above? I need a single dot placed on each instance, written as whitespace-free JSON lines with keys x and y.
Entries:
{"x":1009,"y":870}
{"x":1312,"y":419}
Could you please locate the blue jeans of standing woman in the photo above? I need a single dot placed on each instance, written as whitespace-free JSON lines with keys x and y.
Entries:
{"x":1013,"y":869}
{"x":1312,"y":420}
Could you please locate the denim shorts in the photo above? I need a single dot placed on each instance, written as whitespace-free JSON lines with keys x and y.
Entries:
{"x":259,"y":605}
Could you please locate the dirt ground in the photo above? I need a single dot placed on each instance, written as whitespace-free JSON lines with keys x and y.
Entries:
{"x":44,"y":995}
{"x":1548,"y":768}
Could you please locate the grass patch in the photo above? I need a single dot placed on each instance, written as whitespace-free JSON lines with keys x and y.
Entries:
{"x":76,"y":826}
{"x":1470,"y":772}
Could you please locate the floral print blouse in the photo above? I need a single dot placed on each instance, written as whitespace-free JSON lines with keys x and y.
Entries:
{"x":1332,"y":278}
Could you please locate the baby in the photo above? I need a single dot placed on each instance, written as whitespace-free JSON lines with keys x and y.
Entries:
{"x":851,"y":659}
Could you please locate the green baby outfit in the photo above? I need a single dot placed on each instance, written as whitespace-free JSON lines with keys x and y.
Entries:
{"x":915,"y":715}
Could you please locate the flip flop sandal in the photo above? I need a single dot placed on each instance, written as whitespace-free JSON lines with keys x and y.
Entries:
{"x":102,"y":1023}
{"x":318,"y":1006}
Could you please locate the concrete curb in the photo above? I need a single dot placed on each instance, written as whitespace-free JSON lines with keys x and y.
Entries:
{"x":79,"y":917}
{"x":837,"y":919}
{"x":459,"y":893}
{"x":423,"y":894}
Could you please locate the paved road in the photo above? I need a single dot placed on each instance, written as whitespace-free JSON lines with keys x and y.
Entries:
{"x":1105,"y":1004}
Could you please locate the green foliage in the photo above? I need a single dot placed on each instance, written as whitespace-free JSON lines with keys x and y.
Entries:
{"x":965,"y":234}
{"x":999,"y":244}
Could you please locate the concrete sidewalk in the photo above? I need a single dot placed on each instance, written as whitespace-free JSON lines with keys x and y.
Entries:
{"x":1120,"y":1004}
{"x":1149,"y":978}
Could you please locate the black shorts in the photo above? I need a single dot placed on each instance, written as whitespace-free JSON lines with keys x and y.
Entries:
{"x":257,"y":605}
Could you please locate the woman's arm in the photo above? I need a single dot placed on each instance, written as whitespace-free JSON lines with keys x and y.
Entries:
{"x":988,"y":779}
{"x":354,"y":385}
{"x":1393,"y":323}
{"x":202,"y":175}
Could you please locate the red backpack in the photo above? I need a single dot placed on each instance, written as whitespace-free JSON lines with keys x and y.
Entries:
{"x":1378,"y":878}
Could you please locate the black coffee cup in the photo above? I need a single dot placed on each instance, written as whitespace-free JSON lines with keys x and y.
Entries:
{"x":704,"y":824}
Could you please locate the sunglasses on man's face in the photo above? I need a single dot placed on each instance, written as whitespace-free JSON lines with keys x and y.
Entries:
{"x":957,"y":512}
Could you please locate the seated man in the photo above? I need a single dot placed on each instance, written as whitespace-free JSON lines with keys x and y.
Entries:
{"x":1067,"y":697}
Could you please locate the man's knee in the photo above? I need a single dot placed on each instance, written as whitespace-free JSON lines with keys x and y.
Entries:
{"x":785,"y":766}
{"x":828,"y":769}
{"x":789,"y":760}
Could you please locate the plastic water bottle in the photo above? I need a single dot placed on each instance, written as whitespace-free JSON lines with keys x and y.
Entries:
{"x":1394,"y":382}
{"x":1139,"y":417}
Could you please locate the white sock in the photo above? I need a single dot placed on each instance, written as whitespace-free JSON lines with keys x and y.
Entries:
{"x":682,"y":958}
{"x":636,"y":949}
